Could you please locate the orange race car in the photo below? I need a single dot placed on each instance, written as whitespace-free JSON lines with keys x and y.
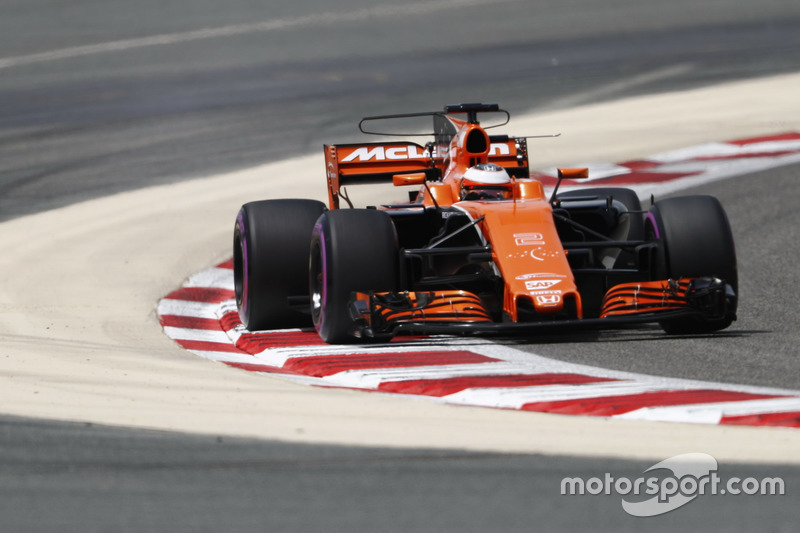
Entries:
{"x":479,"y":247}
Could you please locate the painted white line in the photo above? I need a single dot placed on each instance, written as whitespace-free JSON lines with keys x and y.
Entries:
{"x":266,"y":26}
{"x":539,"y":364}
{"x":213,"y":278}
{"x":374,"y":377}
{"x":273,"y":358}
{"x":186,"y":308}
{"x":770,"y":146}
{"x":720,"y":170}
{"x":401,"y":346}
{"x":202,"y":335}
{"x":691,"y":152}
{"x":597,"y":172}
{"x":304,"y":380}
{"x":324,"y":350}
{"x":713,"y":412}
{"x":727,"y":150}
{"x":516,"y":397}
{"x":279,"y":356}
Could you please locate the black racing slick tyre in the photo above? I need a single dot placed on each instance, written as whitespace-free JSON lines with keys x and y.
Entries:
{"x":270,"y":262}
{"x":352,"y":250}
{"x":694,"y":240}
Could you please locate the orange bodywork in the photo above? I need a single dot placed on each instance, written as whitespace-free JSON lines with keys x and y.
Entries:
{"x":635,"y":298}
{"x":428,"y":306}
{"x":526,"y":249}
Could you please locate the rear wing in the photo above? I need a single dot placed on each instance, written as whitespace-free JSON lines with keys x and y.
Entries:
{"x":354,"y":164}
{"x":351,"y":164}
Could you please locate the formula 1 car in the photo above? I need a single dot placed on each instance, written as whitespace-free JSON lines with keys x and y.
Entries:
{"x":478,"y":248}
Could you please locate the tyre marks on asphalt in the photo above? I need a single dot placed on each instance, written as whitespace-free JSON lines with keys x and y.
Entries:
{"x":201,"y":316}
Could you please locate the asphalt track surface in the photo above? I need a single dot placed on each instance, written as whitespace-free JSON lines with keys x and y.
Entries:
{"x":79,"y":477}
{"x":98,"y":98}
{"x":104,"y":120}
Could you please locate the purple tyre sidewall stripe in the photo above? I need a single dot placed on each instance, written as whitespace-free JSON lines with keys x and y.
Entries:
{"x":245,"y":263}
{"x":654,"y":224}
{"x":323,"y":252}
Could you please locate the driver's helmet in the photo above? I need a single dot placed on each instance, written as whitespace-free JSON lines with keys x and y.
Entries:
{"x":486,"y":181}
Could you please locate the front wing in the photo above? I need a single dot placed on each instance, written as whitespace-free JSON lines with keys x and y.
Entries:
{"x":385,"y":314}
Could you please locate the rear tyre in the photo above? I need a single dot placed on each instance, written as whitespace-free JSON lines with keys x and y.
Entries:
{"x":270,"y":262}
{"x":695,"y":240}
{"x":351,"y":250}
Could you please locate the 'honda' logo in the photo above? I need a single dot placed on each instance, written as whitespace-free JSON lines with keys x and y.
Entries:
{"x":548,"y":300}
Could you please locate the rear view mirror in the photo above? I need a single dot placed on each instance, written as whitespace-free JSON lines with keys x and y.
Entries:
{"x":417,"y":178}
{"x":573,"y":173}
{"x":568,"y":174}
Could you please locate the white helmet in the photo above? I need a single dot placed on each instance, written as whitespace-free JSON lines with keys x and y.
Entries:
{"x":486,"y":181}
{"x":487,"y":174}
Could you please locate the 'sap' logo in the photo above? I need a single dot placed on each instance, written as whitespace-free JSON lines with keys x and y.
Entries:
{"x":541,"y":284}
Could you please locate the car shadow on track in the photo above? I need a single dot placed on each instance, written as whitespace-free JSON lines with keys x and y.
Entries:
{"x":633,"y":334}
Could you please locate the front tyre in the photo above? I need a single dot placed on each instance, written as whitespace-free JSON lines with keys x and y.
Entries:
{"x":695,"y":240}
{"x":270,"y":262}
{"x":353,"y":250}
